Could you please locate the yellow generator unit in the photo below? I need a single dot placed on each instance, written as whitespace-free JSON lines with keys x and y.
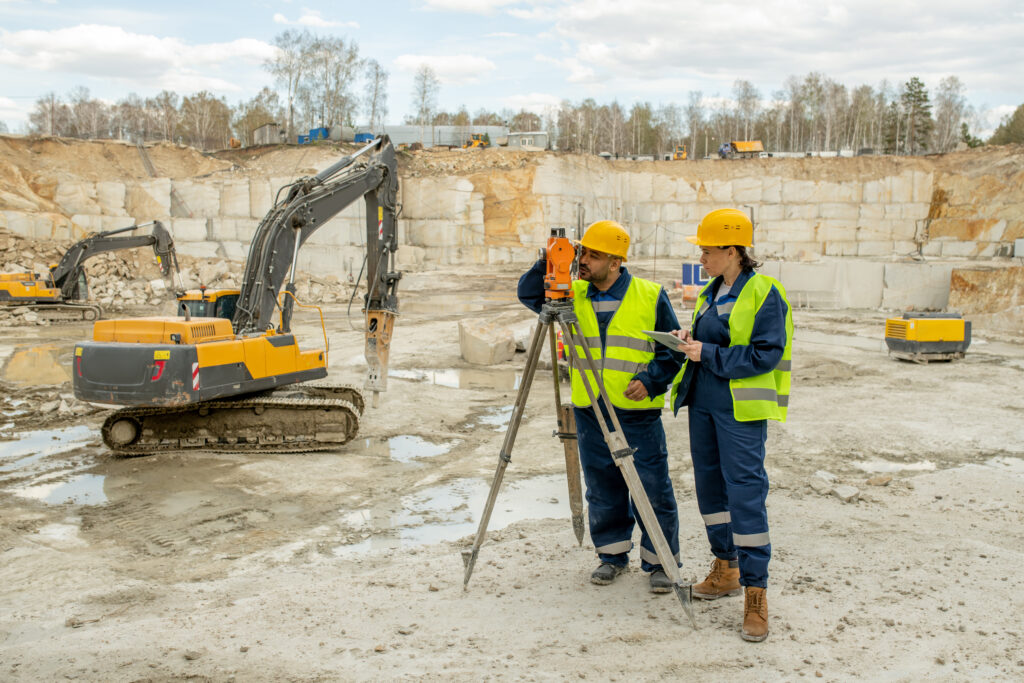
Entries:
{"x":924,"y":337}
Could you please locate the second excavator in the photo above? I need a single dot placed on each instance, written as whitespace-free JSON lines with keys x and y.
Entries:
{"x":243,"y":385}
{"x":62,"y":295}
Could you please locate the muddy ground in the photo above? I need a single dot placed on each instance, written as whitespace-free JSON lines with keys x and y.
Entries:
{"x":346,"y":565}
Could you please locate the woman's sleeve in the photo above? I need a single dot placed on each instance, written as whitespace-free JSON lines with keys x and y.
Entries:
{"x":762,"y":354}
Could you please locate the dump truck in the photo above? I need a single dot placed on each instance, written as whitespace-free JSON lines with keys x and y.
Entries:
{"x":741,"y":149}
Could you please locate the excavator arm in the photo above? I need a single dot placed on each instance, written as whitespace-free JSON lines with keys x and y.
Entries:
{"x":66,"y":275}
{"x":308,"y":205}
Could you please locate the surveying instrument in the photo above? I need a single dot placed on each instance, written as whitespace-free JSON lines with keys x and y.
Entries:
{"x":558,"y":308}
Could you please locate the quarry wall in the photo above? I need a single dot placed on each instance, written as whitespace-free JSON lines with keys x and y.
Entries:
{"x":840,"y":232}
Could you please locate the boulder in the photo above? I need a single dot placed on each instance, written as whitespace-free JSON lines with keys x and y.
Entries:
{"x":486,"y":342}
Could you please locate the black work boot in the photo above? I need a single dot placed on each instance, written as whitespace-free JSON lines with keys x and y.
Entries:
{"x":606,"y":573}
{"x":660,"y":583}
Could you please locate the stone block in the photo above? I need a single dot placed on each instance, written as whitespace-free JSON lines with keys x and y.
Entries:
{"x":840,"y":248}
{"x":922,"y":184}
{"x":893,"y":211}
{"x":800,"y":211}
{"x":808,"y":277}
{"x":837,"y":231}
{"x":685,"y":191}
{"x":432,"y":232}
{"x":959,"y":249}
{"x":746,"y":190}
{"x":222,"y":229}
{"x":87,"y":222}
{"x":499,"y":255}
{"x":789,"y":231}
{"x":234,"y":199}
{"x":116,"y":222}
{"x":663,"y":188}
{"x":486,"y":342}
{"x":189,"y":229}
{"x":874,"y":248}
{"x":771,"y":190}
{"x":77,"y":197}
{"x":549,"y":177}
{"x":803,"y":251}
{"x":871,"y":212}
{"x":672,"y":214}
{"x":648,"y":212}
{"x":202,"y":249}
{"x":916,"y":211}
{"x":202,"y":199}
{"x":767,"y":249}
{"x":149,"y":199}
{"x":798,"y":191}
{"x":261,"y":197}
{"x":408,"y":255}
{"x":859,"y":283}
{"x":933,"y":248}
{"x":246,"y":229}
{"x":919,"y":286}
{"x":769,"y":212}
{"x":639,"y":187}
{"x":720,"y":191}
{"x":110,"y":196}
{"x":844,"y":212}
{"x":877,"y":191}
{"x":902,"y":188}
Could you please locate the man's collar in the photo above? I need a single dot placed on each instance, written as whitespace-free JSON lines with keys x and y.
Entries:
{"x":617,"y":290}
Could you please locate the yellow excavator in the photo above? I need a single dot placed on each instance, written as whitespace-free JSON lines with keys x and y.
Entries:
{"x":243,"y":384}
{"x":62,"y":294}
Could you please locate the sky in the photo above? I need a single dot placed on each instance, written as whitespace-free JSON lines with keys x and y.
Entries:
{"x":531,"y":54}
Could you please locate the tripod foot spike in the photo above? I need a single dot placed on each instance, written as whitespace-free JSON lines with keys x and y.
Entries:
{"x":684,"y":591}
{"x":577,"y":527}
{"x":469,"y":561}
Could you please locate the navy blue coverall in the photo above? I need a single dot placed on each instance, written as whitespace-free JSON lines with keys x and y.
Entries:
{"x":728,"y":455}
{"x":611,"y":513}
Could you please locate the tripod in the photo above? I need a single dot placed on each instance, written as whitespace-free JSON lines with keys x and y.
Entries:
{"x":561,"y":311}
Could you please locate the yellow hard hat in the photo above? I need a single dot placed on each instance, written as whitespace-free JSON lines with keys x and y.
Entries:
{"x":607,"y":237}
{"x":724,"y":228}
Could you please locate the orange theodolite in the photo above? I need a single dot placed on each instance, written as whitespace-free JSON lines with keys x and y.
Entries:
{"x":560,"y":255}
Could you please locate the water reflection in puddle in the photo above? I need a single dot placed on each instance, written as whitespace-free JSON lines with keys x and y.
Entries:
{"x":445,"y":513}
{"x":38,"y":365}
{"x":404,"y":448}
{"x":85,"y":489}
{"x":32,"y":446}
{"x":462,"y":378}
{"x":880,"y":465}
{"x":496,"y":417}
{"x":453,"y":302}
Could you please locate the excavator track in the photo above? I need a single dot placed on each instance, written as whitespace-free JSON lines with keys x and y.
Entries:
{"x":65,"y":313}
{"x":258,"y":424}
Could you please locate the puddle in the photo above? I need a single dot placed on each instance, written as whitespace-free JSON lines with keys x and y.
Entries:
{"x":496,"y":417}
{"x":28,"y":447}
{"x":37,"y":365}
{"x":849,"y":340}
{"x":880,"y":465}
{"x":404,"y":448}
{"x":85,"y":489}
{"x":449,"y":512}
{"x":462,"y":378}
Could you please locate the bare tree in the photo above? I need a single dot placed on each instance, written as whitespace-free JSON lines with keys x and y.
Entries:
{"x":287,"y":67}
{"x":262,"y":109}
{"x":325,"y":88}
{"x":205,"y":120}
{"x":695,"y":118}
{"x":50,"y":117}
{"x":90,"y":118}
{"x":748,"y":102}
{"x":164,"y":110}
{"x":376,"y":95}
{"x":951,"y":109}
{"x":425,"y":88}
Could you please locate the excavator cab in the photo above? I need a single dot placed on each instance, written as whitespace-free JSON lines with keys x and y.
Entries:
{"x":208,"y":303}
{"x":477,"y":140}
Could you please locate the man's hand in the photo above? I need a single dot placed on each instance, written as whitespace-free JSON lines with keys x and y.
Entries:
{"x":636,"y":391}
{"x":691,"y":349}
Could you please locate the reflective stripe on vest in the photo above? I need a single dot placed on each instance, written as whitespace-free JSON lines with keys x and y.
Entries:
{"x":627,"y":351}
{"x":761,"y":397}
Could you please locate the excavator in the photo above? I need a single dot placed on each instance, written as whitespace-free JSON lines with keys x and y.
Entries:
{"x":243,"y":384}
{"x":62,"y":295}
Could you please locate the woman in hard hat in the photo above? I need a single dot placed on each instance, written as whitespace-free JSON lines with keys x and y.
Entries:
{"x":735,"y":378}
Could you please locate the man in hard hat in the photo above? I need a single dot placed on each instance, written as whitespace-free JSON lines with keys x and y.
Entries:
{"x":736,"y":378}
{"x":613,"y":308}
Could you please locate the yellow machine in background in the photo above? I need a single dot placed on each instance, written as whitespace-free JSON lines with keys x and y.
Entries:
{"x":680,"y":153}
{"x":477,"y":140}
{"x":209,"y":303}
{"x":925,"y":337}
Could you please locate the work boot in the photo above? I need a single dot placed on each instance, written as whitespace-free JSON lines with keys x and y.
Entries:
{"x":755,"y":615}
{"x":606,"y":573}
{"x":660,"y":583}
{"x":724,"y":579}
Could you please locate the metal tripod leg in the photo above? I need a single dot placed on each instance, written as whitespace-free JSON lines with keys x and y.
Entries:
{"x":622,"y":454}
{"x":536,"y":342}
{"x":566,"y":432}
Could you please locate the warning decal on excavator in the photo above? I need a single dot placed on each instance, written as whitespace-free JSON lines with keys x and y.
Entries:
{"x":161,"y":355}
{"x":195,"y":376}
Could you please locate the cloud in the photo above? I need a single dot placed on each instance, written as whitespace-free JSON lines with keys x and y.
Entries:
{"x":11,"y":109}
{"x":451,"y":69}
{"x":535,"y":102}
{"x":468,"y":6}
{"x":140,"y":60}
{"x":312,"y":19}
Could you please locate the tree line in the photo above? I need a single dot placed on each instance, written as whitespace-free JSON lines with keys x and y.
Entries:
{"x":323,"y":81}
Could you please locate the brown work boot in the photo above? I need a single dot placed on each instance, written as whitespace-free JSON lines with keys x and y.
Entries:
{"x":724,"y":579}
{"x":755,"y":614}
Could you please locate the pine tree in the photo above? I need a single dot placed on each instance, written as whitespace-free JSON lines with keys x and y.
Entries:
{"x":918,"y":110}
{"x":1011,"y":129}
{"x":967,"y":138}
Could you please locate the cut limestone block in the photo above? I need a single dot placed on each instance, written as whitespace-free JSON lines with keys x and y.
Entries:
{"x":486,"y":342}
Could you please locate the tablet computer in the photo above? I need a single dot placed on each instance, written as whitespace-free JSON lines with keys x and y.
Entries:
{"x":669,"y":340}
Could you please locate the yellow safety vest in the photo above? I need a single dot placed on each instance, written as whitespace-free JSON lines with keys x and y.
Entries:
{"x":761,"y":397}
{"x":627,"y":349}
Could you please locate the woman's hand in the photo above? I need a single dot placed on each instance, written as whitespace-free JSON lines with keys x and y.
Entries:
{"x":692,"y":349}
{"x":684,"y":336}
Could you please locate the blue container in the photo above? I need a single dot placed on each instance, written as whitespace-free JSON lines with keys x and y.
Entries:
{"x":303,"y":139}
{"x":364,"y":137}
{"x":694,"y":274}
{"x":318,"y":133}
